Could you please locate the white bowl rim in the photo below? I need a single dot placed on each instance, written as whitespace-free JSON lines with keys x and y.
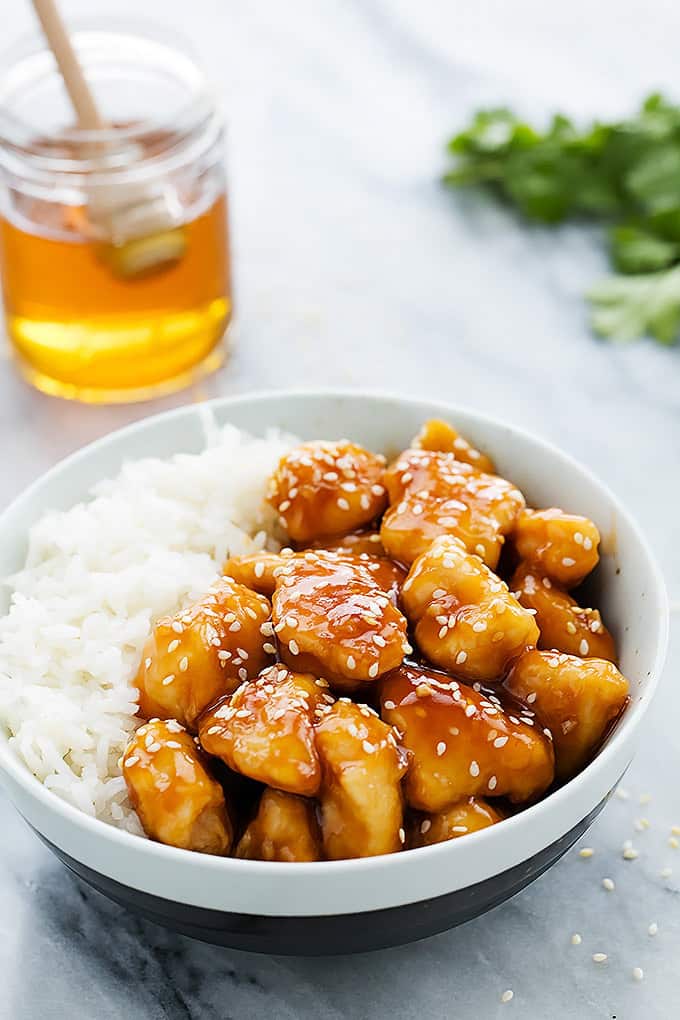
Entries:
{"x":228,"y":866}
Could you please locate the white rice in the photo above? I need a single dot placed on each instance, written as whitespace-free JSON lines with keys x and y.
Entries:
{"x":95,"y":578}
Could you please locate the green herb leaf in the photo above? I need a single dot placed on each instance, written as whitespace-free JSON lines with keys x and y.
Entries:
{"x":636,"y":250}
{"x":626,"y":307}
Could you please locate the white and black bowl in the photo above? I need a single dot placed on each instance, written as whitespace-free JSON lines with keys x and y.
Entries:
{"x":354,"y":905}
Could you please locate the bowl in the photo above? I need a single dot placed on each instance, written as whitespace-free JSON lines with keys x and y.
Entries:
{"x":353,"y":905}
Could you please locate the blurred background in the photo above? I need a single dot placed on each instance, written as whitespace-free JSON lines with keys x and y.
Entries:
{"x":353,"y":266}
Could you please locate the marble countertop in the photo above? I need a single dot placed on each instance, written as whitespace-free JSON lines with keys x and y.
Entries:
{"x":354,"y":266}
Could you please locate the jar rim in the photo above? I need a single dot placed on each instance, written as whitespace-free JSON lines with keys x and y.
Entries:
{"x":29,"y":58}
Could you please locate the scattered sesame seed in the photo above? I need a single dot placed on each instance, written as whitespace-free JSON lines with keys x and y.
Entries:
{"x":373,"y":670}
{"x":147,"y":662}
{"x":177,"y":627}
{"x":653,"y":929}
{"x":586,"y":851}
{"x":493,"y":782}
{"x":567,"y":561}
{"x":293,"y":647}
{"x":570,"y":627}
{"x":674,"y":842}
{"x":599,"y":957}
{"x":132,"y":760}
{"x":461,"y":658}
{"x":576,"y":939}
{"x":269,"y":648}
{"x":174,"y":744}
{"x":235,"y":626}
{"x":645,"y":798}
{"x":258,"y":569}
{"x":666,"y":872}
{"x":173,"y":645}
{"x":168,"y":679}
{"x":389,"y":705}
{"x":507,"y":995}
{"x":583,"y":647}
{"x":402,"y":836}
{"x":342,"y":503}
{"x":474,"y":768}
{"x":629,"y":854}
{"x":500,"y":741}
{"x":608,"y":884}
{"x":425,"y":826}
{"x":351,"y":662}
{"x":441,"y":748}
{"x":470,"y":711}
{"x":587,"y":543}
{"x":183,"y":664}
{"x":243,"y":674}
{"x":622,"y":794}
{"x":423,"y":690}
{"x":638,"y":973}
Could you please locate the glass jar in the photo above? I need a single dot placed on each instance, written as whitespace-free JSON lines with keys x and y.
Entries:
{"x":113,"y":243}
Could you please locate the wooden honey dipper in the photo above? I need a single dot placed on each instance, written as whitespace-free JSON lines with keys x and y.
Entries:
{"x":140,"y":222}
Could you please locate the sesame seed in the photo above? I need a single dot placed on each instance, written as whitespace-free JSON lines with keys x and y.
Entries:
{"x":342,"y":503}
{"x":268,"y":648}
{"x":666,"y":872}
{"x":500,"y":741}
{"x":570,"y":627}
{"x":622,"y":794}
{"x":147,"y":662}
{"x":567,"y":561}
{"x":235,"y":626}
{"x":441,"y":748}
{"x":474,"y":768}
{"x":587,"y":543}
{"x":576,"y":939}
{"x":586,"y":851}
{"x":284,"y":506}
{"x":629,"y":854}
{"x":177,"y":627}
{"x":173,"y":645}
{"x":402,"y":836}
{"x":674,"y":842}
{"x":493,"y":782}
{"x":168,"y":679}
{"x":583,"y":647}
{"x":507,"y":995}
{"x":377,"y":490}
{"x":470,"y":711}
{"x":258,"y":569}
{"x":608,"y":884}
{"x":174,"y":744}
{"x":425,"y":826}
{"x":423,"y":690}
{"x":132,"y":760}
{"x":293,"y":647}
{"x":653,"y":929}
{"x":267,"y":629}
{"x":460,"y":658}
{"x":379,"y":640}
{"x":479,"y":626}
{"x":479,"y":549}
{"x":243,"y":673}
{"x":599,"y":957}
{"x":578,"y":538}
{"x":638,"y":973}
{"x":389,"y":705}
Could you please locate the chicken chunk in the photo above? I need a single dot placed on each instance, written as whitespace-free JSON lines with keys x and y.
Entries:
{"x":176,"y":798}
{"x":563,"y":546}
{"x":466,"y":620}
{"x":564,"y":625}
{"x":433,"y":494}
{"x":355,"y":542}
{"x":576,"y":698}
{"x":204,"y":651}
{"x":439,"y":435}
{"x":361,"y":799}
{"x":265,"y":730}
{"x":256,"y":571}
{"x":327,"y":488}
{"x":463,"y":742}
{"x":470,"y":814}
{"x":333,"y":619}
{"x":285,"y":828}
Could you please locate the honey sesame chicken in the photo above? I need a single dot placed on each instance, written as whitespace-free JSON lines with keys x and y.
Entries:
{"x":432,"y":494}
{"x":439,"y":435}
{"x":285,"y":828}
{"x":470,"y":814}
{"x":257,"y":571}
{"x":327,"y":488}
{"x":204,"y":651}
{"x":361,"y":798}
{"x":576,"y":698}
{"x":354,"y":542}
{"x":466,"y":620}
{"x":334,"y":618}
{"x":463,"y":742}
{"x":265,"y":730}
{"x":564,"y":624}
{"x":176,"y":798}
{"x":564,"y":546}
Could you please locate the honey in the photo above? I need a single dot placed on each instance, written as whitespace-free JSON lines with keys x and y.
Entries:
{"x":80,"y":329}
{"x":114,"y":248}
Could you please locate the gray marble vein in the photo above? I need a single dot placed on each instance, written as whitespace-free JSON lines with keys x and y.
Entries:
{"x":354,"y":267}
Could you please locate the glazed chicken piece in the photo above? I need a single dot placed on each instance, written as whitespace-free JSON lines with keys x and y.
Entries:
{"x":327,"y":488}
{"x":463,"y":742}
{"x":564,"y":625}
{"x":204,"y":651}
{"x":256,"y":571}
{"x":285,"y":828}
{"x":333,"y":619}
{"x":439,"y":435}
{"x":361,"y":799}
{"x":355,"y":542}
{"x":466,"y":621}
{"x":562,"y":546}
{"x":576,"y":698}
{"x":470,"y":814}
{"x":434,"y":494}
{"x":265,"y":730}
{"x":175,"y":796}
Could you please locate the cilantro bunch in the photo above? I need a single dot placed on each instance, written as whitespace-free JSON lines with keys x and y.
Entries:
{"x":626,"y":175}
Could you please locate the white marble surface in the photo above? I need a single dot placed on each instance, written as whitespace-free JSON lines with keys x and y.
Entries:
{"x":354,"y":267}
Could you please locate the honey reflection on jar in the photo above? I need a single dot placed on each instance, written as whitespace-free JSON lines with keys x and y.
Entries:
{"x":90,"y":316}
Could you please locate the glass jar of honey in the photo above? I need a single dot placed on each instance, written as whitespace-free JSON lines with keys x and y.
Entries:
{"x":113,"y":243}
